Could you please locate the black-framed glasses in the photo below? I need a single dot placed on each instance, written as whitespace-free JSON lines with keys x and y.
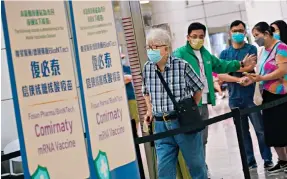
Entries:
{"x":154,"y":47}
{"x":238,"y":31}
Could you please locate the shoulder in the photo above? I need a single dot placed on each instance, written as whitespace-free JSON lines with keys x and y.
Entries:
{"x":282,"y":46}
{"x":250,"y":46}
{"x":179,"y":50}
{"x":147,"y":65}
{"x":180,"y":61}
{"x":223,"y":53}
{"x":282,"y":49}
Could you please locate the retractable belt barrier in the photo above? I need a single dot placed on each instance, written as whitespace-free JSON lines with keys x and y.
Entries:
{"x":210,"y":121}
{"x":184,"y":129}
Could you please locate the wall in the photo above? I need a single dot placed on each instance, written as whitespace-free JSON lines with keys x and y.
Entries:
{"x":179,"y":14}
{"x":8,"y":122}
{"x":256,"y":11}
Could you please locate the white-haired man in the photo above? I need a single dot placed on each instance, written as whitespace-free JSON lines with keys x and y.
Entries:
{"x":183,"y":82}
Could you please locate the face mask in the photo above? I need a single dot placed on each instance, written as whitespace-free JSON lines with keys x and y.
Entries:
{"x":196,"y":43}
{"x":260,"y":41}
{"x":238,"y":37}
{"x":276,"y":36}
{"x":154,"y":55}
{"x":124,"y":62}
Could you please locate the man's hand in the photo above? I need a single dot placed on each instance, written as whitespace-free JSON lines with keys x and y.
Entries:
{"x":249,"y":60}
{"x":128,"y":78}
{"x":245,"y":81}
{"x":148,"y":117}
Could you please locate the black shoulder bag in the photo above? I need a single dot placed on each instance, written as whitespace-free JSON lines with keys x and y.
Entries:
{"x":187,"y":109}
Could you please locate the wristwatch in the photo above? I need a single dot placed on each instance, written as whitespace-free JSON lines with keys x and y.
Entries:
{"x":242,"y":64}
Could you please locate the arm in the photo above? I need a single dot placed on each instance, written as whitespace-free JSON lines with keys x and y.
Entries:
{"x":224,"y":66}
{"x":247,"y":68}
{"x":127,"y":78}
{"x":280,"y":72}
{"x":252,"y":51}
{"x":127,"y":74}
{"x":197,"y":96}
{"x":227,"y":66}
{"x":194,"y":83}
{"x":228,"y":78}
{"x":281,"y":60}
{"x":148,"y":116}
{"x":148,"y":103}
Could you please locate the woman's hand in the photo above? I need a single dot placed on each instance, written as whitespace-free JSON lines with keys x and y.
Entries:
{"x":255,"y":77}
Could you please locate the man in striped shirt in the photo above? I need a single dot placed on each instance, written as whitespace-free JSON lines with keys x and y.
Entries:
{"x":183,"y":82}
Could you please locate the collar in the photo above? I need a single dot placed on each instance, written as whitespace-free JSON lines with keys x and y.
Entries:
{"x":167,"y":65}
{"x":244,"y":46}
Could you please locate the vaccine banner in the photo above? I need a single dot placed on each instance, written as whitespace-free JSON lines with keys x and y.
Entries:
{"x":108,"y":126}
{"x":44,"y":90}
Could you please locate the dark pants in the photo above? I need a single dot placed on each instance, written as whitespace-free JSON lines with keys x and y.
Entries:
{"x":257,"y":122}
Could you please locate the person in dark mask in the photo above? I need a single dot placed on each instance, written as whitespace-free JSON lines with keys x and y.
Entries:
{"x":241,"y":92}
{"x":280,"y":32}
{"x":273,"y":84}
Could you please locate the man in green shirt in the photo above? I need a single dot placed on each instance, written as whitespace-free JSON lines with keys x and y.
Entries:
{"x":204,"y":64}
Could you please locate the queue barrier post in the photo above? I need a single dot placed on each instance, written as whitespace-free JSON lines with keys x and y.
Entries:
{"x":238,"y":126}
{"x":137,"y":150}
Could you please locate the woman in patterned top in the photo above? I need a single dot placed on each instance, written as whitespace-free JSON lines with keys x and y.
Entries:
{"x":273,"y":82}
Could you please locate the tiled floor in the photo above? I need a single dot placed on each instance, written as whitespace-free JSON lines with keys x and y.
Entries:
{"x":223,"y":156}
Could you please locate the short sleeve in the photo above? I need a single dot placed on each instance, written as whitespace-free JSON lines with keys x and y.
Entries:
{"x":281,"y":53}
{"x":192,"y":80}
{"x":253,"y":50}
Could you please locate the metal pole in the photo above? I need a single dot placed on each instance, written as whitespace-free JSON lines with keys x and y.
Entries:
{"x":137,"y":148}
{"x":238,"y":125}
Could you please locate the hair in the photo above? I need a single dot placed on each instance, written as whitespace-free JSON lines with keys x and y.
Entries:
{"x":237,"y":23}
{"x":196,"y":26}
{"x":283,"y":30}
{"x":158,"y":36}
{"x":263,"y":27}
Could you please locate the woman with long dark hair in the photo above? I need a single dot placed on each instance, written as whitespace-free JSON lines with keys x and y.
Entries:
{"x":273,"y":84}
{"x":280,"y":28}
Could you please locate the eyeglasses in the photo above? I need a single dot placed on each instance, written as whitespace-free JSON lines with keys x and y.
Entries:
{"x":238,"y":31}
{"x":196,"y":37}
{"x":153,"y":47}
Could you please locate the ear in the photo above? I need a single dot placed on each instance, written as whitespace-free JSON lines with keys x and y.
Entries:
{"x":187,"y":37}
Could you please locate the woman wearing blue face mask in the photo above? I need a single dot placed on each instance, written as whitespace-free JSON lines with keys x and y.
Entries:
{"x":280,"y":33}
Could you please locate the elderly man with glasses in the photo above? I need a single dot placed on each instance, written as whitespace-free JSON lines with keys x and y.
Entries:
{"x":183,"y":82}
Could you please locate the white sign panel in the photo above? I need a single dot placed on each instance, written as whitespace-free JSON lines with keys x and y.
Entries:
{"x":44,"y":90}
{"x":111,"y":146}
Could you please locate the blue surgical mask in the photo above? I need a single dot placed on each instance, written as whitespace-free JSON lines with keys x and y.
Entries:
{"x":276,"y":36}
{"x":238,"y":37}
{"x":154,"y":55}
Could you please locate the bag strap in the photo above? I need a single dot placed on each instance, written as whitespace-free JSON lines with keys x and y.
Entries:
{"x":267,"y":57}
{"x":165,"y":85}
